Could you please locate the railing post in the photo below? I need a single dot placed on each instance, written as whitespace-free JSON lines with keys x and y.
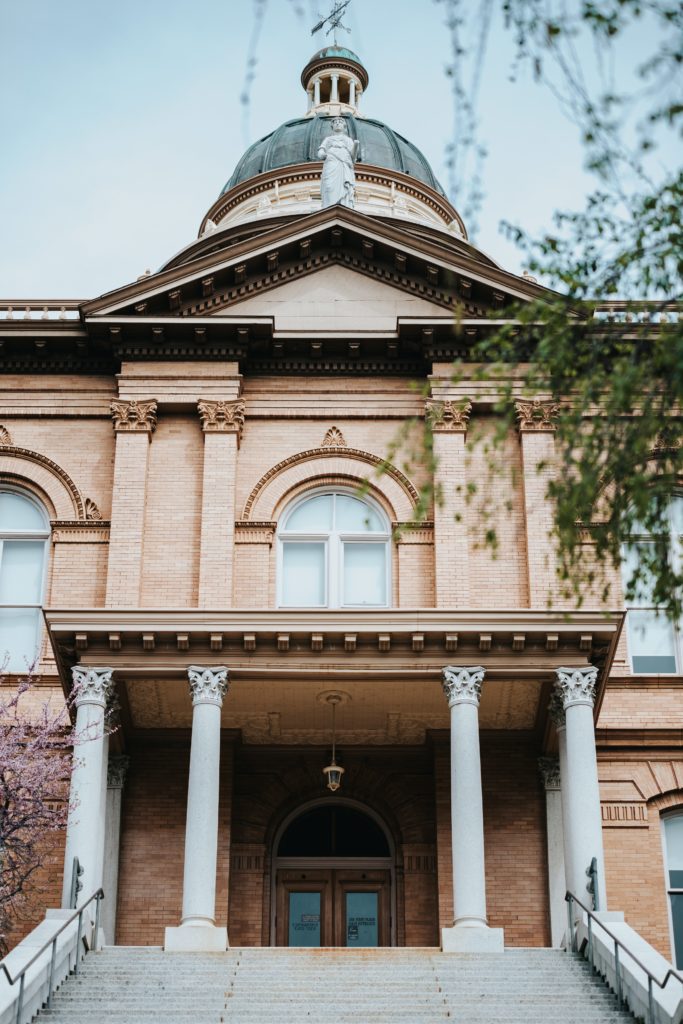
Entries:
{"x":78,"y":938}
{"x":98,"y":900}
{"x":590,"y":943}
{"x":20,"y":1001}
{"x":617,"y":968}
{"x":650,"y":1002}
{"x":51,"y":980}
{"x":570,"y":916}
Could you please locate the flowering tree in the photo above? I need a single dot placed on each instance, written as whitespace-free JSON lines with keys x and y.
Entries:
{"x":35,"y":766}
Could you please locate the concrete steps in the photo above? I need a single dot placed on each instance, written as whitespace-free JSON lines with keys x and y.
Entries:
{"x":333,"y":986}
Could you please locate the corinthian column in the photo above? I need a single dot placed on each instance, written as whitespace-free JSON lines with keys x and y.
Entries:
{"x":92,"y":689}
{"x":470,"y":932}
{"x":575,"y":688}
{"x":198,"y":930}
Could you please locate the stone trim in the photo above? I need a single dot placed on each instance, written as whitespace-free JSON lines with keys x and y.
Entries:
{"x":92,"y":685}
{"x":413,"y":533}
{"x":5,"y":437}
{"x":79,"y":503}
{"x":77,"y":532}
{"x":221,"y":417}
{"x":462,"y":685}
{"x":254,"y":532}
{"x":133,"y":416}
{"x":208,"y":685}
{"x":576,"y":685}
{"x":448,"y":416}
{"x":334,"y":439}
{"x":537,"y":416}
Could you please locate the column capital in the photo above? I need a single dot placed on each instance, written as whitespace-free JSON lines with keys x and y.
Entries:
{"x":537,"y":416}
{"x":462,"y":684}
{"x":576,"y":685}
{"x":134,"y":417}
{"x":556,"y":709}
{"x":117,"y":769}
{"x":220,"y":417}
{"x":92,"y":685}
{"x":208,"y":685}
{"x":549,"y":767}
{"x":448,"y":416}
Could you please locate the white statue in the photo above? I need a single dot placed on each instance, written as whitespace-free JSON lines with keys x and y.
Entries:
{"x":338,"y":152}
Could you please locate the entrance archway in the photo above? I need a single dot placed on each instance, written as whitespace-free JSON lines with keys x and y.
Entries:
{"x":333,"y":877}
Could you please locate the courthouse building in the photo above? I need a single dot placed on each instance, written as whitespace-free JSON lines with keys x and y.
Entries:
{"x":340,"y":722}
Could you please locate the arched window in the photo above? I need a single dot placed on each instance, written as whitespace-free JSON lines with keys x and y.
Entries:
{"x":334,"y":553}
{"x":24,"y":532}
{"x":673,"y":844}
{"x":655,"y":643}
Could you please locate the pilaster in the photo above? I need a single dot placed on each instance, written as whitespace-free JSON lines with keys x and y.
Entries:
{"x":549,"y":768}
{"x":117,"y":769}
{"x":536,"y":424}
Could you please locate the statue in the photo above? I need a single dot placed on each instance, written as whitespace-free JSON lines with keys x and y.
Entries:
{"x":338,"y":152}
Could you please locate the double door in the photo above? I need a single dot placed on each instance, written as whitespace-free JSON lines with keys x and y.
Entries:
{"x":333,"y":907}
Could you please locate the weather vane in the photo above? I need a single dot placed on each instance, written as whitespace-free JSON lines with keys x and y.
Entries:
{"x":333,"y":19}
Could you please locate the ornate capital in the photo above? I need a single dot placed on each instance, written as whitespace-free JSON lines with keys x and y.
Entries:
{"x":117,"y":769}
{"x":448,"y":415}
{"x":462,"y":685}
{"x":134,"y":417}
{"x":556,"y":709}
{"x":208,"y":685}
{"x":218,"y":417}
{"x":536,"y":416}
{"x":576,"y":685}
{"x":549,"y":768}
{"x":92,"y":685}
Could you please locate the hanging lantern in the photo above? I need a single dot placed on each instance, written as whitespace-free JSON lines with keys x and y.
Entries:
{"x":333,"y":771}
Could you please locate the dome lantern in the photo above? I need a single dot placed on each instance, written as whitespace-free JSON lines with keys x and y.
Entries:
{"x":334,"y":80}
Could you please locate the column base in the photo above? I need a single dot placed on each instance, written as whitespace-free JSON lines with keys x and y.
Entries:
{"x":196,"y":938}
{"x":462,"y":938}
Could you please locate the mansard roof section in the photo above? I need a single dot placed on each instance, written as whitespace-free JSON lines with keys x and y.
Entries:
{"x":221,"y":271}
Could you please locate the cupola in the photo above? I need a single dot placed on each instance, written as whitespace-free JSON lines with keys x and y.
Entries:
{"x":334,"y":80}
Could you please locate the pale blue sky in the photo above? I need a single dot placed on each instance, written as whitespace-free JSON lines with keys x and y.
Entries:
{"x":120,"y":122}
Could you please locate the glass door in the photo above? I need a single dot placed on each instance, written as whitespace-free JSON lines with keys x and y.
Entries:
{"x":333,"y":907}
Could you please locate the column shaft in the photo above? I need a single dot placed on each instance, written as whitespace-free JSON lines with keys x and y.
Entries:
{"x":201,"y":830}
{"x":467,"y":817}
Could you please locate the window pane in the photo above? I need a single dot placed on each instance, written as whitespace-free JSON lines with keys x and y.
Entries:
{"x":362,"y":925}
{"x":633,"y":556}
{"x":677,"y":514}
{"x":304,"y":919}
{"x":21,"y":572}
{"x":17,"y":513}
{"x":312,"y":516}
{"x":651,"y":642}
{"x":303,"y":575}
{"x":677,"y":922}
{"x":18,"y":637}
{"x":673,"y":830}
{"x":365,"y":581}
{"x":354,"y":516}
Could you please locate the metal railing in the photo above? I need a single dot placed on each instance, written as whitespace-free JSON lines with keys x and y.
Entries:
{"x":21,"y":976}
{"x":652,"y":980}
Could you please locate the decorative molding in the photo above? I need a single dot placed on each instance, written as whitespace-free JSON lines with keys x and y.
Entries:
{"x":54,"y":469}
{"x":667,"y":440}
{"x":334,"y":439}
{"x":77,"y":532}
{"x":576,"y":685}
{"x":92,"y":685}
{"x":556,"y":710}
{"x":92,"y":512}
{"x":448,"y":416}
{"x":254,"y":532}
{"x":536,"y":416}
{"x":549,"y":767}
{"x":117,"y":769}
{"x":317,"y":453}
{"x":624,"y":815}
{"x":5,"y":437}
{"x":413,"y":533}
{"x":208,"y":685}
{"x":462,"y":685}
{"x":133,"y":416}
{"x":220,"y":417}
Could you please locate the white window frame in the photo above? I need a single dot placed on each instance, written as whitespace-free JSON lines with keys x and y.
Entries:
{"x":334,"y":542}
{"x":29,"y":535}
{"x":675,"y":555}
{"x":670,"y":890}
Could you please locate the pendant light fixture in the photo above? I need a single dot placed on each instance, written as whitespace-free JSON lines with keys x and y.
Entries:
{"x":333,"y":771}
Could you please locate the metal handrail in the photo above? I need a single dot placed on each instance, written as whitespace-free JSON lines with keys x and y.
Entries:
{"x":21,"y":976}
{"x":652,"y":980}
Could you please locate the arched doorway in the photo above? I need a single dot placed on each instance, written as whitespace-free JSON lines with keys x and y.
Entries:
{"x":333,"y":874}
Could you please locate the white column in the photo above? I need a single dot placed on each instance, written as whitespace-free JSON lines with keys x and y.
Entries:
{"x":352,"y":93}
{"x":334,"y":91}
{"x":550,"y":773}
{"x":470,"y":932}
{"x":92,"y":688}
{"x":580,"y":789}
{"x":116,"y":777}
{"x":198,"y":930}
{"x":316,"y":93}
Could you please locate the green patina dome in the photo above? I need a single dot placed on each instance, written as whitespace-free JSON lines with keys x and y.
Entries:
{"x":336,"y":51}
{"x":298,"y":141}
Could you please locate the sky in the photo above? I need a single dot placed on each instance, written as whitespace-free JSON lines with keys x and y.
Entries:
{"x":121,"y":120}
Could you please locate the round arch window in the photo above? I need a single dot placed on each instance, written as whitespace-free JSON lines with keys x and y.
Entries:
{"x":24,"y":532}
{"x":333,"y":831}
{"x":334,"y":553}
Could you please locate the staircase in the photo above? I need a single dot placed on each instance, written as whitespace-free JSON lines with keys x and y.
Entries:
{"x":128,"y":985}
